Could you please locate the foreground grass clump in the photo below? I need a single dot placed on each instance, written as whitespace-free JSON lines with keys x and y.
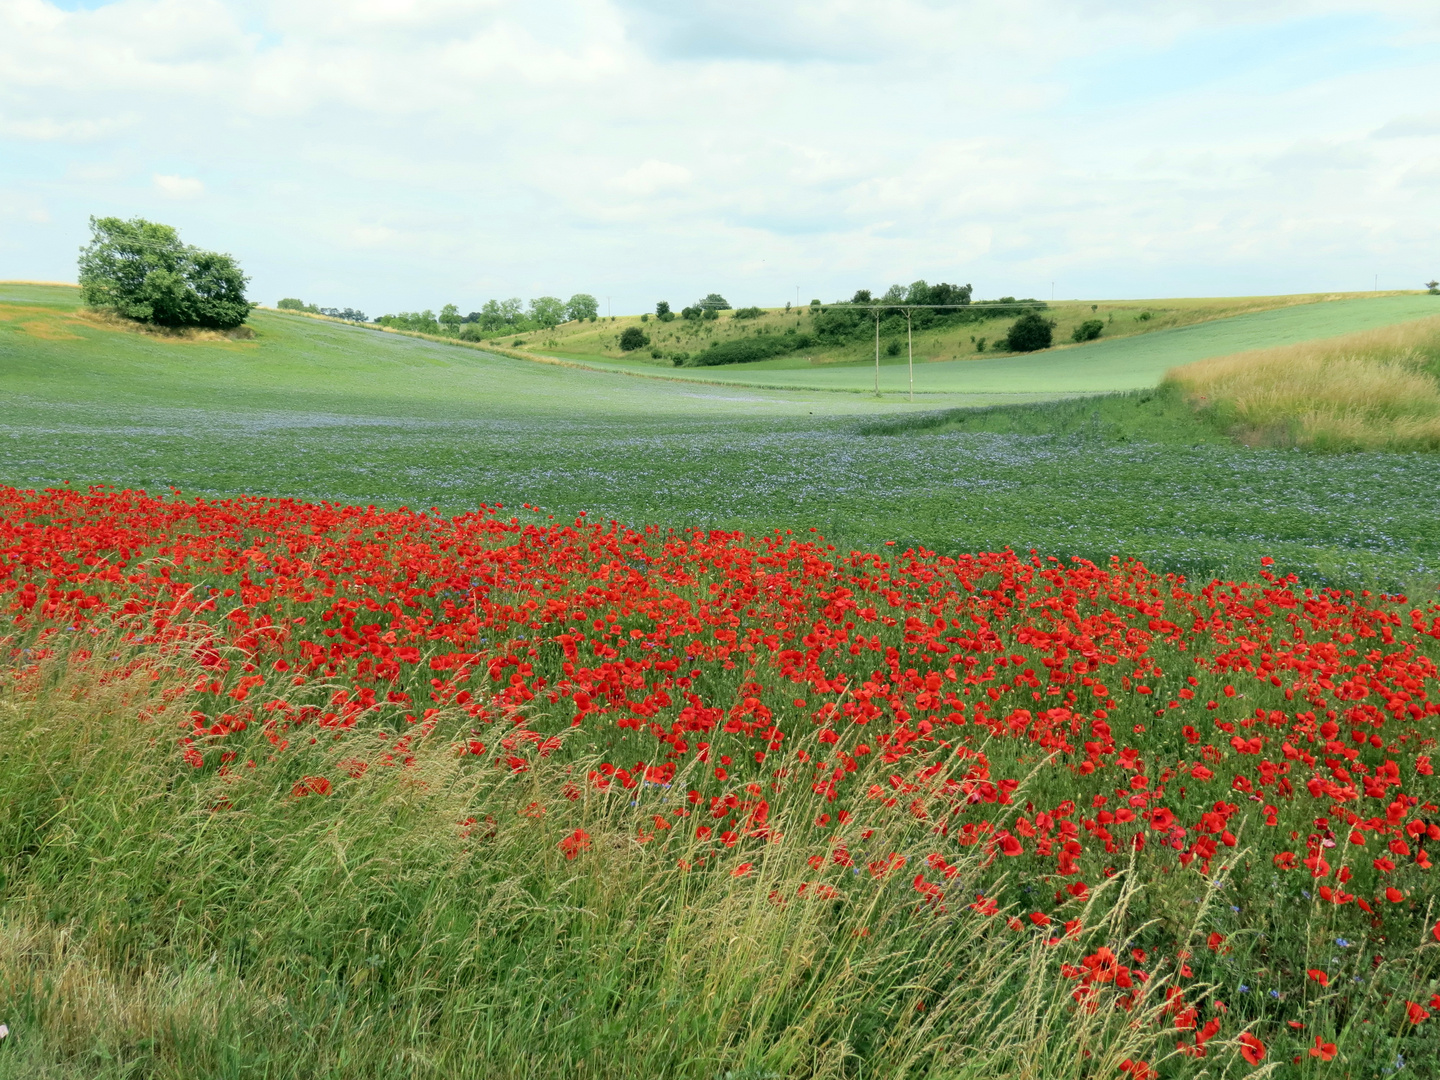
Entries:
{"x":1373,"y":390}
{"x":426,"y":921}
{"x":313,"y":790}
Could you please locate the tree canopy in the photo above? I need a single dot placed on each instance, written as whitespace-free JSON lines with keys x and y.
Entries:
{"x":140,"y":270}
{"x":547,"y":311}
{"x":582,"y":306}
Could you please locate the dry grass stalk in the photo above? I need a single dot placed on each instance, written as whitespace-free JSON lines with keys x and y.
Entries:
{"x":1374,"y":390}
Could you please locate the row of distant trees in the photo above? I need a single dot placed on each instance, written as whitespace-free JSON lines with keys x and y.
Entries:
{"x":290,"y":303}
{"x":510,"y":316}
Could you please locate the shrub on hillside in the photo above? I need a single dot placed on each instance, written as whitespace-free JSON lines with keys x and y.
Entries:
{"x":140,"y":270}
{"x":1088,"y":330}
{"x":1029,"y":333}
{"x":747,"y":313}
{"x":892,"y":348}
{"x":633,"y":338}
{"x":748,"y":350}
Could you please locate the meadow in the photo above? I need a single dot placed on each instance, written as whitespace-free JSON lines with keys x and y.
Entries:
{"x":435,"y":713}
{"x":1373,"y":390}
{"x":317,"y":410}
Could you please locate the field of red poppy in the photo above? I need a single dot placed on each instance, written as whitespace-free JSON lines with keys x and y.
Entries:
{"x":315,"y":789}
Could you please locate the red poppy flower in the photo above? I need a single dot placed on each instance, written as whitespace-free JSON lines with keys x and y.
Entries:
{"x":575,"y":843}
{"x":1252,"y":1049}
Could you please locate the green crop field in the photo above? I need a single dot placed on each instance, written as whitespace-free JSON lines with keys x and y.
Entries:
{"x":320,"y":410}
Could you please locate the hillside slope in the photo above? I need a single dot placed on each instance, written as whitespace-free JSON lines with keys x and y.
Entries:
{"x":1108,"y":364}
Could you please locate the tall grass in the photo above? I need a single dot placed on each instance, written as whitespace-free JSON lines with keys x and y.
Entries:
{"x":160,"y":921}
{"x":1374,"y":390}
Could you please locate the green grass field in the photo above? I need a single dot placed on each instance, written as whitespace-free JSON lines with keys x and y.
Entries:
{"x":323,"y":411}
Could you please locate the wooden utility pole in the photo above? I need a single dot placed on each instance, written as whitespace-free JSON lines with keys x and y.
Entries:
{"x":877,"y":352}
{"x":910,"y":340}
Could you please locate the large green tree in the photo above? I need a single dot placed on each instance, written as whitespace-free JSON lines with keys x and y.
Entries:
{"x":141,"y":270}
{"x":547,"y":311}
{"x":582,"y":306}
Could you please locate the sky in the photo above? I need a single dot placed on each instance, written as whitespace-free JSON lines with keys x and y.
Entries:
{"x":400,"y":154}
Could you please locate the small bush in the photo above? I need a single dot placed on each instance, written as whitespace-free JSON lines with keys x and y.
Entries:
{"x":980,"y":345}
{"x":1433,"y":288}
{"x":749,"y":350}
{"x":1088,"y":330}
{"x":657,"y":354}
{"x":747,"y":313}
{"x":1029,"y":333}
{"x":892,"y":348}
{"x":633,"y":338}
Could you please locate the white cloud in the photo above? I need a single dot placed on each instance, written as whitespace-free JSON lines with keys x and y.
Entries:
{"x":1419,"y":126}
{"x":653,"y":176}
{"x":178,"y":187}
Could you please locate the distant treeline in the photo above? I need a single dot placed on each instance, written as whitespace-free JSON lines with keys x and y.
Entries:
{"x":292,"y":304}
{"x":852,"y":320}
{"x":497,"y":317}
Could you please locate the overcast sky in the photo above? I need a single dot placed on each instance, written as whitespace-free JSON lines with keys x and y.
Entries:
{"x":398,"y":154}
